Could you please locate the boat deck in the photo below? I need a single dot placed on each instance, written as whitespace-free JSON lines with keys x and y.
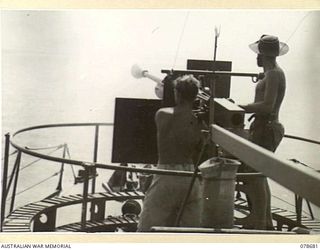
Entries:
{"x":27,"y":218}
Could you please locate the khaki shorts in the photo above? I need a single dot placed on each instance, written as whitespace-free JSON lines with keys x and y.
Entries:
{"x":267,"y":134}
{"x":164,"y":198}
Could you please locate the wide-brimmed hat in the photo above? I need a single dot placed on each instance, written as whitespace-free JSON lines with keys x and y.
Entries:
{"x":269,"y":46}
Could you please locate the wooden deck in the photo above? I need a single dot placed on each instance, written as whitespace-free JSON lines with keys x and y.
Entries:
{"x":23,"y":219}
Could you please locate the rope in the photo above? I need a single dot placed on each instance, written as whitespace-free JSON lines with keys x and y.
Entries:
{"x":301,"y":139}
{"x":284,"y":201}
{"x":72,"y":168}
{"x":303,"y":164}
{"x":298,"y":25}
{"x":180,"y":39}
{"x":37,"y":160}
{"x":44,"y":180}
{"x":42,"y":148}
{"x":14,"y":152}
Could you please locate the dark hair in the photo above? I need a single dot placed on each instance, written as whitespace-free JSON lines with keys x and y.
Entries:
{"x":187,"y":86}
{"x":168,"y":99}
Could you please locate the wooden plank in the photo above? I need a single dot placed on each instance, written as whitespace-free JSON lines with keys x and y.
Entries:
{"x":134,"y":195}
{"x":75,"y":198}
{"x":18,"y":222}
{"x":25,"y":213}
{"x":98,"y":195}
{"x":19,"y":213}
{"x":19,"y":216}
{"x":108,"y":195}
{"x":16,"y":230}
{"x":108,"y":223}
{"x":300,"y":180}
{"x":33,"y":206}
{"x":17,"y":227}
{"x":23,"y":216}
{"x":70,"y":199}
{"x":43,"y":203}
{"x":312,"y":222}
{"x":22,"y":227}
{"x":28,"y":209}
{"x":53,"y":202}
{"x":59,"y":200}
{"x":118,"y":194}
{"x":92,"y":224}
{"x":214,"y":230}
{"x":139,"y":194}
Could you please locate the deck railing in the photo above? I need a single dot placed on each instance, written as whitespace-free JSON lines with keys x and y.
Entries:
{"x":286,"y":173}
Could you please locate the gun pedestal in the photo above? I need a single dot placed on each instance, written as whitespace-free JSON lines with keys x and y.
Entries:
{"x":218,"y":192}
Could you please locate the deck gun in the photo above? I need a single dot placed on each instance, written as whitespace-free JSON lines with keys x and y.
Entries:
{"x":215,"y":106}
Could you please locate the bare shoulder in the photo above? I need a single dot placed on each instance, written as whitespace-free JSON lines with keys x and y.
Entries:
{"x":275,"y":76}
{"x":164,"y":114}
{"x":276,"y":72}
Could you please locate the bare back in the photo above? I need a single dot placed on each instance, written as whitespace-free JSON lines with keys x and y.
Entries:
{"x":178,"y":134}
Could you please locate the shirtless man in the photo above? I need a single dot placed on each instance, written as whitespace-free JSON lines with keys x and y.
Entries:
{"x":178,"y":135}
{"x":266,"y":130}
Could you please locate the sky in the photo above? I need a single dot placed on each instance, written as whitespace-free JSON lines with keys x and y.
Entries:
{"x":86,"y":55}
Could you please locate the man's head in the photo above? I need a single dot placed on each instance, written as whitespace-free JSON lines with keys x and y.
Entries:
{"x":268,"y":48}
{"x":186,"y":89}
{"x":262,"y":60}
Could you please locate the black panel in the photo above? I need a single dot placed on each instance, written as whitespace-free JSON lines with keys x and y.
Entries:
{"x":135,"y":133}
{"x":223,"y":82}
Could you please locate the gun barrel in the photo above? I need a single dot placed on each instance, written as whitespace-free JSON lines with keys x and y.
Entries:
{"x":208,"y":73}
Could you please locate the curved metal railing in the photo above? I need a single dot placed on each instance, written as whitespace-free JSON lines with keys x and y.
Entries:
{"x":94,"y":164}
{"x":26,"y":150}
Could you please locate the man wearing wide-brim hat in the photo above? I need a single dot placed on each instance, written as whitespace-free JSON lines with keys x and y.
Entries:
{"x":265,"y":130}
